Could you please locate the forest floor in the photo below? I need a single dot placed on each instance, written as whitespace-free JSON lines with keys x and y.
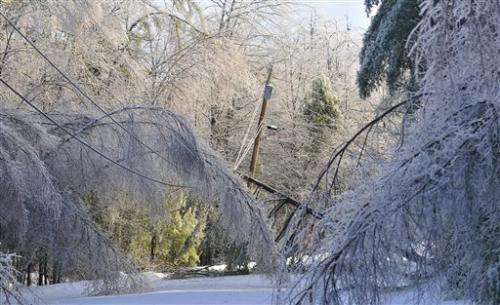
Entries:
{"x":237,"y":290}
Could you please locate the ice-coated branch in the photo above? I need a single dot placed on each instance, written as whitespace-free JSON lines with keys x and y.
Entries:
{"x":430,"y":218}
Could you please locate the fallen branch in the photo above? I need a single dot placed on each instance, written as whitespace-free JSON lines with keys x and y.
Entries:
{"x":285,"y":199}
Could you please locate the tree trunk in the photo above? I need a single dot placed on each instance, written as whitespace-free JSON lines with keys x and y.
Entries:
{"x":28,"y":275}
{"x":54,"y":271}
{"x":56,"y":274}
{"x":45,"y":271}
{"x":153,"y":246}
{"x":40,"y":272}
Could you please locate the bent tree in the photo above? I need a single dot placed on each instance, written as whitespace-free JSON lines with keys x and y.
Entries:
{"x":431,"y":215}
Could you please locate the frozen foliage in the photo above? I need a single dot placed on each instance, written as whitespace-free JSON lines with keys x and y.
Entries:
{"x":432,"y":214}
{"x":384,"y":56}
{"x":8,"y":291}
{"x":45,"y":174}
{"x":39,"y":215}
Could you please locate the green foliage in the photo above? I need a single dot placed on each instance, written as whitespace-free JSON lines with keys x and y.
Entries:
{"x":180,"y":237}
{"x":384,"y":56}
{"x":168,"y":240}
{"x":321,"y":114}
{"x":322,"y":104}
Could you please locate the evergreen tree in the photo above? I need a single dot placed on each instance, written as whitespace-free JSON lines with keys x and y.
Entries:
{"x":182,"y":233}
{"x":384,"y":56}
{"x":168,"y":240}
{"x":322,"y":104}
{"x":321,"y":114}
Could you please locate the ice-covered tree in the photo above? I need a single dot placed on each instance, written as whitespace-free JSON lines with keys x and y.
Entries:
{"x":322,"y":105}
{"x":430,"y":218}
{"x":8,"y":279}
{"x":125,"y":151}
{"x":384,"y":58}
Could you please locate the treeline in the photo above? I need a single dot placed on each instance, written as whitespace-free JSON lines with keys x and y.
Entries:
{"x":92,"y":92}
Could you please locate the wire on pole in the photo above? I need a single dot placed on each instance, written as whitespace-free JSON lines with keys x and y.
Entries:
{"x":95,"y":150}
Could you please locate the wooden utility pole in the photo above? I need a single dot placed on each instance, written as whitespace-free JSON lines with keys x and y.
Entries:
{"x":268,"y":91}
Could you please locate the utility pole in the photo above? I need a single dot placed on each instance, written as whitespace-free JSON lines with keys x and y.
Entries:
{"x":268,"y":90}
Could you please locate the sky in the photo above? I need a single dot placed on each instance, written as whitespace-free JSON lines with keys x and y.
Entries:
{"x":342,"y":10}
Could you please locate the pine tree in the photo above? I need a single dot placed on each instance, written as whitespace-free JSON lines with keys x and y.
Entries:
{"x":384,"y":57}
{"x":322,"y":104}
{"x":182,"y":233}
{"x":321,"y":113}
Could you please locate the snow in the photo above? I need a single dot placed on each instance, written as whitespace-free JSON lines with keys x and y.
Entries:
{"x":237,"y":290}
{"x":201,"y":296}
{"x":248,"y":290}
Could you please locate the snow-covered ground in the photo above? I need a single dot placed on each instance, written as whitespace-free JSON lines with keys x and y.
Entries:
{"x":248,"y":290}
{"x":237,"y":290}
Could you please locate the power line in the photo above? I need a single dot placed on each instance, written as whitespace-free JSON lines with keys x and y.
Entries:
{"x":79,"y":90}
{"x":95,"y":150}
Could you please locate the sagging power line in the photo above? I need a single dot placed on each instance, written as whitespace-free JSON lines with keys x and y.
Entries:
{"x":83,"y":93}
{"x":81,"y":141}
